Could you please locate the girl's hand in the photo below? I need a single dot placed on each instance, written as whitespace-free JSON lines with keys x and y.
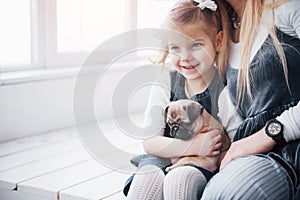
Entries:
{"x":257,"y":143}
{"x":207,"y":142}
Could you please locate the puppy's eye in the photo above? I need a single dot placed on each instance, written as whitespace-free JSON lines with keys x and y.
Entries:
{"x":186,"y":125}
{"x":184,"y":107}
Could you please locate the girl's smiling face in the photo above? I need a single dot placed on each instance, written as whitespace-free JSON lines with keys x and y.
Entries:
{"x":192,"y":50}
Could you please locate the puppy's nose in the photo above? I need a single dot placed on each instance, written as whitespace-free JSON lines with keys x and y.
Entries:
{"x":174,"y":130}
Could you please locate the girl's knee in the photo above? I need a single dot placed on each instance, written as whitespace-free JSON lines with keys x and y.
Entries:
{"x":184,"y":174}
{"x":149,"y":169}
{"x":184,"y":183}
{"x":148,"y":175}
{"x":147,"y":183}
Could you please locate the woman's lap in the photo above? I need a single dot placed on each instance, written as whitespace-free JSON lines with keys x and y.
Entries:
{"x":251,"y":177}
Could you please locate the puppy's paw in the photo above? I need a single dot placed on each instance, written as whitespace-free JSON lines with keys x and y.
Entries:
{"x":168,"y":169}
{"x":179,"y":163}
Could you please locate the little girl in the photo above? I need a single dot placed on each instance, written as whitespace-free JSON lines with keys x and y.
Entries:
{"x":193,"y":44}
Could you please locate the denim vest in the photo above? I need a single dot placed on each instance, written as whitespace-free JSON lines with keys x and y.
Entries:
{"x":208,"y":99}
{"x":270,"y":93}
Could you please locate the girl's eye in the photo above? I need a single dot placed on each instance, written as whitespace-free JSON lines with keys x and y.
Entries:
{"x":196,"y":45}
{"x":174,"y":48}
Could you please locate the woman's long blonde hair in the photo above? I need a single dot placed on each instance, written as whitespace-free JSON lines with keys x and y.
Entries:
{"x":251,"y":19}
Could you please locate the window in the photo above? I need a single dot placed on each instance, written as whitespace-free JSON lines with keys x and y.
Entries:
{"x":81,"y":26}
{"x":84,"y":24}
{"x":15,"y":34}
{"x":151,"y":13}
{"x":55,"y":33}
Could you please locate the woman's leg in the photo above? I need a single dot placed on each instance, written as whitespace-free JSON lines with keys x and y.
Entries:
{"x":251,"y":177}
{"x":147,"y":184}
{"x":184,"y":183}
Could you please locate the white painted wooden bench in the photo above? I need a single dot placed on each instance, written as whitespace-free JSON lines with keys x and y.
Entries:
{"x":56,"y":165}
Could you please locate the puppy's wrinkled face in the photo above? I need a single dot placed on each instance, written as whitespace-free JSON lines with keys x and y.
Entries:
{"x":181,"y":117}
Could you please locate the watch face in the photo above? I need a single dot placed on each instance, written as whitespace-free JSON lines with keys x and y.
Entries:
{"x":274,"y":128}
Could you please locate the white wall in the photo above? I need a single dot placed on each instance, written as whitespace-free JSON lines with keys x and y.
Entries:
{"x":35,"y":107}
{"x":44,"y":105}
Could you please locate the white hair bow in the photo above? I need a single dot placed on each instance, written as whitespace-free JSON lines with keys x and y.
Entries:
{"x":207,"y":4}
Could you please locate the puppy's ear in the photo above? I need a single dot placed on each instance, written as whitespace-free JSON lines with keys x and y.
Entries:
{"x":194,"y":111}
{"x":166,"y":114}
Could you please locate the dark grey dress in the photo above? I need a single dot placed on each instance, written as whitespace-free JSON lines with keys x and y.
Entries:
{"x":271,"y":97}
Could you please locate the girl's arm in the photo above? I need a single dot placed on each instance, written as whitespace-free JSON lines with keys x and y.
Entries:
{"x":203,"y":144}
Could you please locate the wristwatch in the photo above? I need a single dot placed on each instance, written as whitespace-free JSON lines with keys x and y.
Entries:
{"x":274,"y":129}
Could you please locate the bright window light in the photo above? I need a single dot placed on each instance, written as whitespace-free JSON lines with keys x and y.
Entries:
{"x":15,"y":34}
{"x":151,"y":13}
{"x":82,"y":25}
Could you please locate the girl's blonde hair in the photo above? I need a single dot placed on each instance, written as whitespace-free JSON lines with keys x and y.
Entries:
{"x":251,"y":19}
{"x":187,"y":12}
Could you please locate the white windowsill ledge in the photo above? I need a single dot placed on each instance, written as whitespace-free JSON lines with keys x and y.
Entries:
{"x":25,"y":76}
{"x":34,"y":75}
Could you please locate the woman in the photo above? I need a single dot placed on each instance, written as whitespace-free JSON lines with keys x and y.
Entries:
{"x":263,"y":162}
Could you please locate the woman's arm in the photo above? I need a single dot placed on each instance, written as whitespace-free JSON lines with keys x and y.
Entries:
{"x":228,"y":113}
{"x":287,"y":18}
{"x":291,"y":123}
{"x":260,"y":142}
{"x":257,"y":143}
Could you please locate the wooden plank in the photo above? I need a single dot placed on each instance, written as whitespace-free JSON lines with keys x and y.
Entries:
{"x":116,"y":196}
{"x":50,"y":184}
{"x":120,"y":140}
{"x":10,"y":178}
{"x":16,"y":195}
{"x":113,"y":134}
{"x":46,"y":167}
{"x":32,"y":155}
{"x":97,"y":188}
{"x":18,"y":145}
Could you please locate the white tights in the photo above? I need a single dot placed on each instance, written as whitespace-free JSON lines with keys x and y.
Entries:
{"x":181,"y":183}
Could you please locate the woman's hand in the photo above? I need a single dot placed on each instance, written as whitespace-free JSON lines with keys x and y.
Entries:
{"x":257,"y":143}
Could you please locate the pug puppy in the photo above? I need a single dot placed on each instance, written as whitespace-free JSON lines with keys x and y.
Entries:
{"x":185,"y":119}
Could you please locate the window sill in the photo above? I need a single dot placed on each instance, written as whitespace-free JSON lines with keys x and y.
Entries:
{"x":35,"y":75}
{"x":25,"y":76}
